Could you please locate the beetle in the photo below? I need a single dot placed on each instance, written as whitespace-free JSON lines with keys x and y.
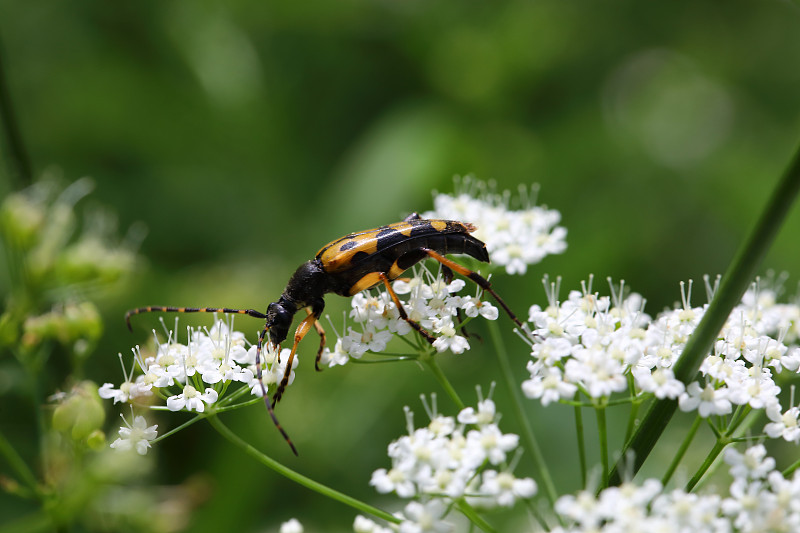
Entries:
{"x":347,"y":266}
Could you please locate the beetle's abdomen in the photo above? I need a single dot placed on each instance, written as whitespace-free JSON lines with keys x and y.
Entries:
{"x":394,"y":248}
{"x":344,"y":253}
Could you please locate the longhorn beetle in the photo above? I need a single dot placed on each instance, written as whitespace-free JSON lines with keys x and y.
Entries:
{"x":347,"y":266}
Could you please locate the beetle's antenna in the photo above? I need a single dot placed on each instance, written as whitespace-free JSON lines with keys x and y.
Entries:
{"x":264,"y":389}
{"x":166,"y":309}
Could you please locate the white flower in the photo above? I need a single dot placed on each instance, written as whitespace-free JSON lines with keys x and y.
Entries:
{"x":659,"y":381}
{"x":547,"y":385}
{"x":363,"y":524}
{"x":485,"y":414}
{"x":191,"y":399}
{"x":424,"y":517}
{"x":752,"y":464}
{"x":489,"y":443}
{"x":292,"y":525}
{"x":783,"y":424}
{"x":505,"y":488}
{"x":368,"y":340}
{"x":136,"y":436}
{"x":393,"y":480}
{"x":337,"y":356}
{"x":707,"y":401}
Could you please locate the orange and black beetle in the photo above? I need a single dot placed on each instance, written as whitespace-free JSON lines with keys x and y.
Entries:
{"x":349,"y":265}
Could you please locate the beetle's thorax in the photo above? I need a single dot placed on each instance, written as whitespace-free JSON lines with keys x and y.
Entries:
{"x":305,"y":288}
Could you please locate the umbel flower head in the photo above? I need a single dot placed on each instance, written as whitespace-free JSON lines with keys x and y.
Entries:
{"x":441,"y":308}
{"x":759,"y":499}
{"x":466,"y":456}
{"x":594,"y":344}
{"x":517,"y":232}
{"x":194,"y":375}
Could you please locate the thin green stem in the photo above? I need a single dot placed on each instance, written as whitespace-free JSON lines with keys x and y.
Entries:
{"x":296,"y":476}
{"x":183,"y":426}
{"x":18,"y":464}
{"x":443,"y":381}
{"x":740,"y":416}
{"x":791,"y":468}
{"x":581,"y":443}
{"x":473,"y":516}
{"x":602,"y":433}
{"x":710,"y":458}
{"x":519,"y":411}
{"x":21,"y":171}
{"x":734,"y":283}
{"x":682,"y":450}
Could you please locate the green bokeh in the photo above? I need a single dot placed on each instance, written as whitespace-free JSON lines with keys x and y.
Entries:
{"x":245,"y":135}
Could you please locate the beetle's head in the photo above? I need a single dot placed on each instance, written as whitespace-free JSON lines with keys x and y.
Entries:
{"x":278,"y":321}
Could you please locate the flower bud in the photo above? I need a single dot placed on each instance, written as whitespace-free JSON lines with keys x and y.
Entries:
{"x":21,"y":219}
{"x":81,"y":413}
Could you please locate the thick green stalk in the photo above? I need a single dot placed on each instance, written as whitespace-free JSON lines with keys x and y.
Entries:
{"x":734,"y":284}
{"x":296,"y":476}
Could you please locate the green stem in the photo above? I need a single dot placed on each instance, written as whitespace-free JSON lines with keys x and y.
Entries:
{"x":519,"y":411}
{"x":735,"y":282}
{"x":468,"y":511}
{"x":794,"y":466}
{"x":602,"y":433}
{"x":581,"y":443}
{"x":183,"y":426}
{"x":296,"y":476}
{"x":430,"y":360}
{"x":712,"y":456}
{"x":682,"y":450}
{"x":18,"y":464}
{"x":21,"y":171}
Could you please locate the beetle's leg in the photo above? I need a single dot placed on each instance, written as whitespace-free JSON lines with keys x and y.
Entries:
{"x":482,"y":282}
{"x":321,"y":333}
{"x":264,"y":389}
{"x":447,"y":274}
{"x":412,"y":216}
{"x":400,"y":309}
{"x":373,"y":278}
{"x":301,"y":331}
{"x":166,"y":309}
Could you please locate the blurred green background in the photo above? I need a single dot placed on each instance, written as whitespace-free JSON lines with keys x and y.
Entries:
{"x":247,"y":134}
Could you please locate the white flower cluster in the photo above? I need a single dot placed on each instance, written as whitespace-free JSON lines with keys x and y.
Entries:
{"x":514,"y":238}
{"x":191,"y":376}
{"x":453,"y":458}
{"x":759,"y":499}
{"x":429,"y":301}
{"x":593,"y":344}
